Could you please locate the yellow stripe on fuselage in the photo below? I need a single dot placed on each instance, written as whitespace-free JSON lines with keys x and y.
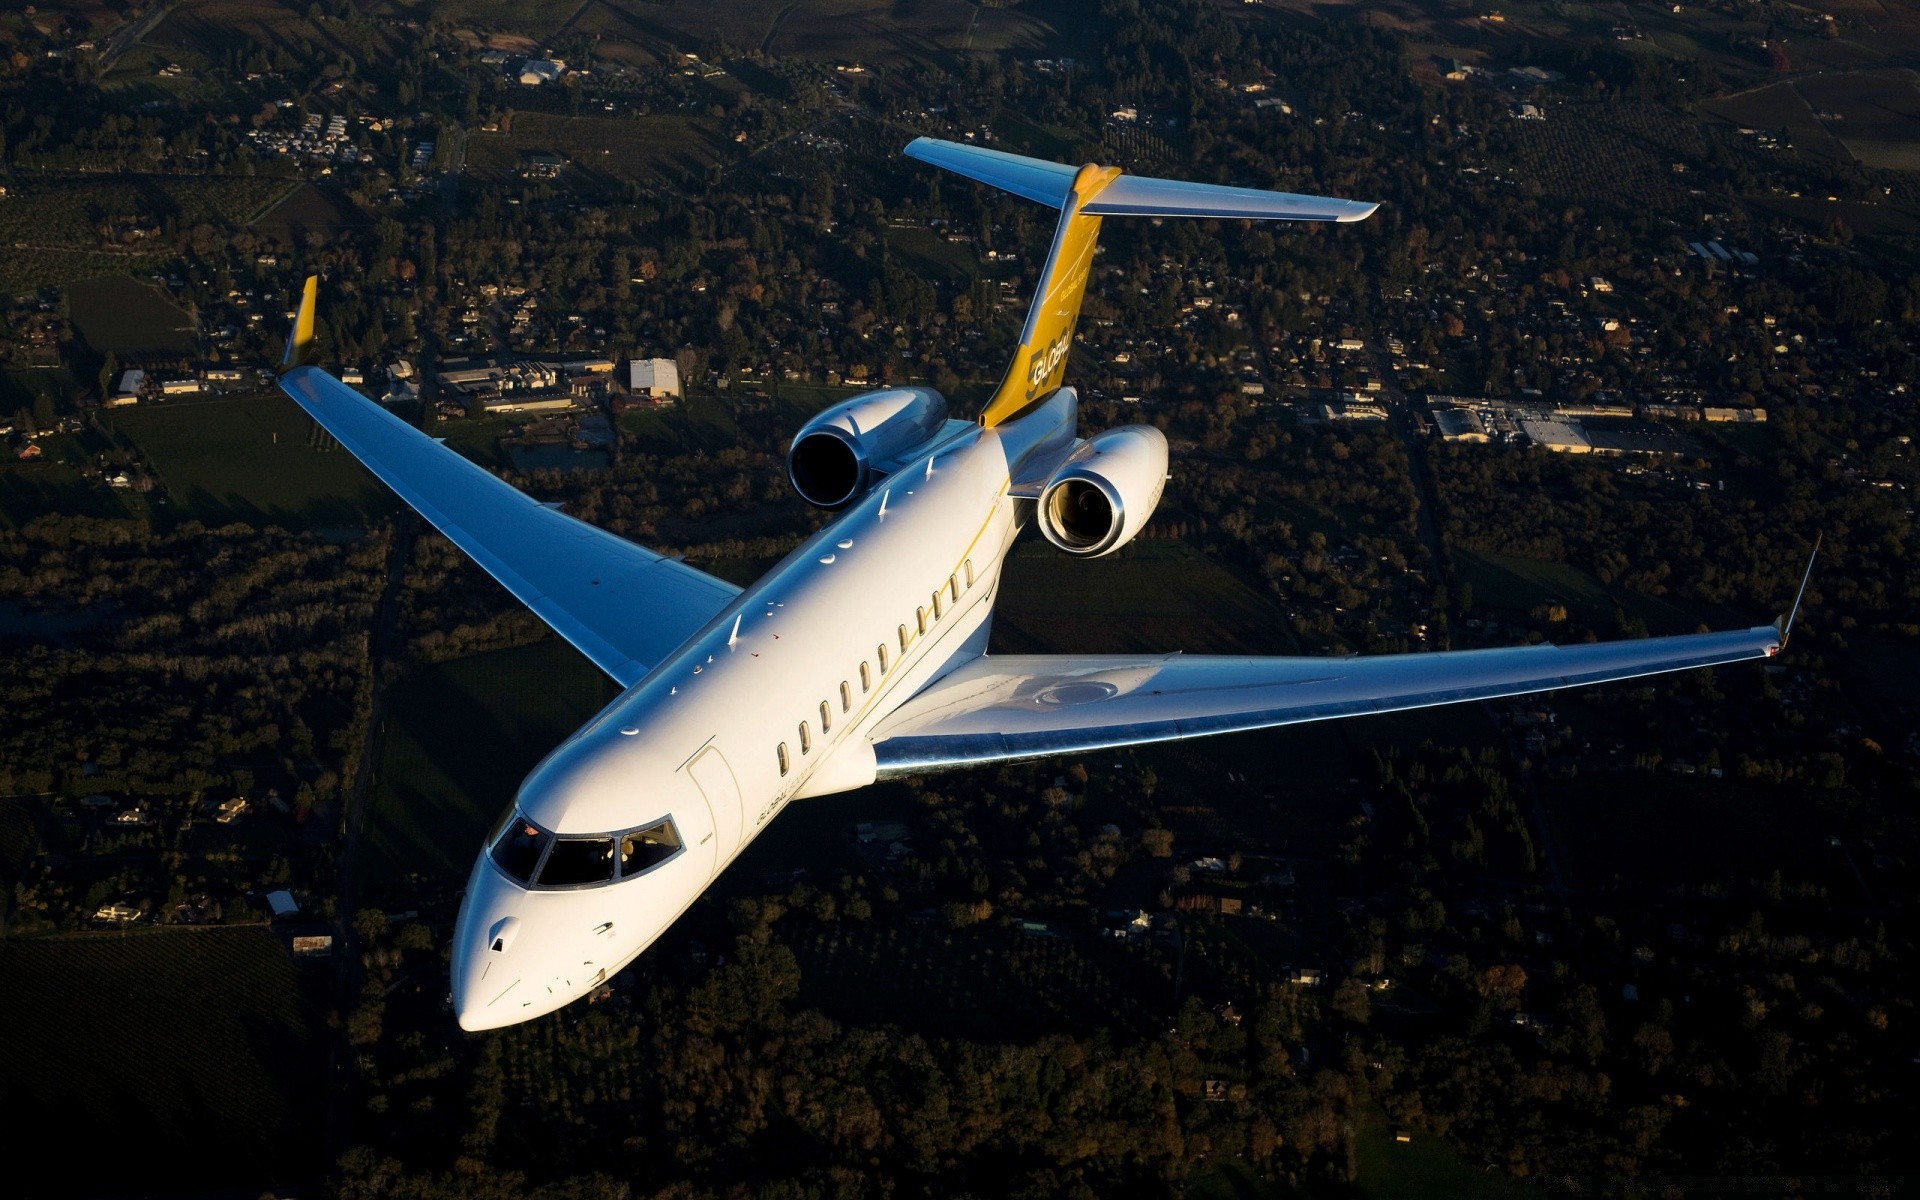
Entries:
{"x":1040,"y":361}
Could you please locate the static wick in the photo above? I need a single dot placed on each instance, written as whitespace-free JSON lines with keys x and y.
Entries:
{"x":735,"y":635}
{"x":929,"y":466}
{"x":884,"y":496}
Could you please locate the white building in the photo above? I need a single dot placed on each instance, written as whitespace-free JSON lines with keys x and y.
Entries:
{"x":1558,"y":436}
{"x":128,"y":389}
{"x":654,"y":378}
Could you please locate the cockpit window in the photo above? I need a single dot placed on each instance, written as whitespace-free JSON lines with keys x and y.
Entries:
{"x":575,"y":861}
{"x":644,"y":849}
{"x":519,"y":849}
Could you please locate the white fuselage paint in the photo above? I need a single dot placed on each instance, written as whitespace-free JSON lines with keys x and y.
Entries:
{"x":722,"y":707}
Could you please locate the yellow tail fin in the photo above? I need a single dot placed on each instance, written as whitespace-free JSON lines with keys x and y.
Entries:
{"x":1040,"y":361}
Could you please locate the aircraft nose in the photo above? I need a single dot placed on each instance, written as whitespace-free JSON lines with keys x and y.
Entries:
{"x":485,"y":968}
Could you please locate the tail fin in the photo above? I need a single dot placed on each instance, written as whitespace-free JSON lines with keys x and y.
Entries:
{"x":1084,"y":195}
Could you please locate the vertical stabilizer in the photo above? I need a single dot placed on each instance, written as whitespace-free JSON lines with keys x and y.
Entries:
{"x":1040,"y":361}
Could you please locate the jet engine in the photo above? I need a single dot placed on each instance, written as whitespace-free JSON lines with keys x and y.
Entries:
{"x":1103,"y":494}
{"x":838,"y":453}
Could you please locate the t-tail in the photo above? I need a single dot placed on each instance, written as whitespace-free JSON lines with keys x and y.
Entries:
{"x":1084,"y":195}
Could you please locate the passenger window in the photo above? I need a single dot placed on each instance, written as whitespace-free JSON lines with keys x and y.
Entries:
{"x":953,"y":589}
{"x":883,"y":651}
{"x":920,"y":618}
{"x":806,"y":739}
{"x":903,"y":639}
{"x":783,"y":758}
{"x":969,"y":568}
{"x":576,"y":861}
{"x":846,"y":696}
{"x":866,"y":676}
{"x":518,"y":851}
{"x":826,"y":717}
{"x":939,"y":606}
{"x":644,"y":849}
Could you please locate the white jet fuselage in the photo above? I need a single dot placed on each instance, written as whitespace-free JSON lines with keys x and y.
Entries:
{"x":774,"y":699}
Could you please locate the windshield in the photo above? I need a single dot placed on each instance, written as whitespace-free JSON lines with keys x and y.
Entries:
{"x":646,"y":848}
{"x":575,"y":861}
{"x":519,"y":849}
{"x":533,"y":857}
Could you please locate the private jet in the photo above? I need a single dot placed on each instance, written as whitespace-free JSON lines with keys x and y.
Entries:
{"x":863,"y":655}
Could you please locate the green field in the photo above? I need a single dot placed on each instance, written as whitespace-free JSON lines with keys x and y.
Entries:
{"x":697,"y":422}
{"x":56,"y":228}
{"x":20,"y":817}
{"x":29,"y":490}
{"x":665,"y":148}
{"x":1510,"y":585}
{"x":145,"y":1044}
{"x":981,"y":981}
{"x":131,"y":318}
{"x":1424,"y":1168}
{"x":255,"y":458}
{"x":1665,"y":829}
{"x":1153,"y":597}
{"x":310,"y":209}
{"x":453,"y":744}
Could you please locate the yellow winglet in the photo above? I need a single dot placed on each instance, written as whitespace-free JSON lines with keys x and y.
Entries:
{"x":300,"y":341}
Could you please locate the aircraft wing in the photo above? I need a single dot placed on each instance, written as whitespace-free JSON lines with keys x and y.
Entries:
{"x":622,"y":606}
{"x":1001,"y":708}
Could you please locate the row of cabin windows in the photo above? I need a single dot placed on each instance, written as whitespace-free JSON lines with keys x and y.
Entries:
{"x":947,"y":593}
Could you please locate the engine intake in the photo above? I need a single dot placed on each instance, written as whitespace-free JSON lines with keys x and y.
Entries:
{"x":835,"y":456}
{"x":1101,"y":497}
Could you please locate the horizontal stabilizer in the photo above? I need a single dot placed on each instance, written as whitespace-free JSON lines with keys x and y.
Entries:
{"x":1139,"y":196}
{"x":1129,"y":195}
{"x":1036,"y":179}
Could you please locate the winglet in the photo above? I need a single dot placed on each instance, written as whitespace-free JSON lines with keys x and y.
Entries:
{"x":1784,"y":626}
{"x":300,"y":341}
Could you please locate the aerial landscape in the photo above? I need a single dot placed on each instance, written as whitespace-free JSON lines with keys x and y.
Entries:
{"x":1634,"y":327}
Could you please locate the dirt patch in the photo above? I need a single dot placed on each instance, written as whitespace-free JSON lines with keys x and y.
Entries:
{"x":311,"y":209}
{"x":133,"y":319}
{"x":1776,"y":108}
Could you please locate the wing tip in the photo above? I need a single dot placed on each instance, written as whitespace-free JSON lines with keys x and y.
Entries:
{"x":1784,"y":625}
{"x":300,"y":338}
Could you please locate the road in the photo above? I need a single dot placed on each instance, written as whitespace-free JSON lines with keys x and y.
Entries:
{"x":1400,"y":419}
{"x":127,"y":37}
{"x":383,"y":646}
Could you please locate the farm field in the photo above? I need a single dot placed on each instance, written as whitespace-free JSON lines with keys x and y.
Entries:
{"x":256,"y":458}
{"x":1424,"y":1168}
{"x":1620,"y":152}
{"x":29,"y":490}
{"x":872,"y":31}
{"x":1778,"y":107}
{"x":1875,"y":114}
{"x":656,"y":149}
{"x":148,"y":1042}
{"x":981,"y":981}
{"x":1517,"y":585}
{"x":308,"y":208}
{"x":130,"y":317}
{"x":454,"y":741}
{"x":52,"y":225}
{"x":1665,"y":829}
{"x":1152,"y":597}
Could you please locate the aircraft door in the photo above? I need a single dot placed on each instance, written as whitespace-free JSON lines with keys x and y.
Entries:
{"x":715,"y":779}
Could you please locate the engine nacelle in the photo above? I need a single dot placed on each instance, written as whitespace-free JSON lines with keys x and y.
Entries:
{"x":835,"y":455}
{"x":1103,"y":494}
